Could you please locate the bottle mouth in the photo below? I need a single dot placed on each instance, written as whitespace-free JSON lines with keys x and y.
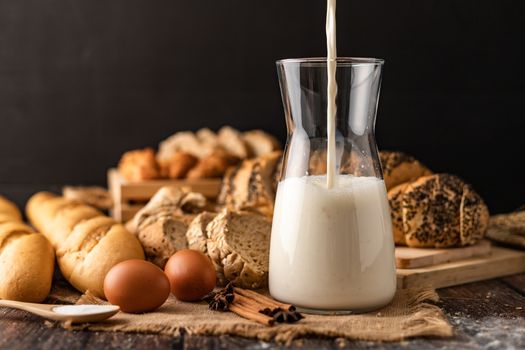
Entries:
{"x":341,"y":61}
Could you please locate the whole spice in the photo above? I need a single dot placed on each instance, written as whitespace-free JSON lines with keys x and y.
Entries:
{"x":221,"y":300}
{"x":282,"y":316}
{"x":252,"y":305}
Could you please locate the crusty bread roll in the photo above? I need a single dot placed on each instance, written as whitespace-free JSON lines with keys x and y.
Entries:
{"x":399,"y":168}
{"x":88,"y":244}
{"x":139,"y":165}
{"x":437,"y":211}
{"x":26,"y":258}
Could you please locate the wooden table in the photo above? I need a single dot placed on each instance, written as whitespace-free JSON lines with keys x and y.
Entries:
{"x":485,"y":315}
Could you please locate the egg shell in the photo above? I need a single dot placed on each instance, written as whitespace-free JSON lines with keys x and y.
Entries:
{"x":136,"y":286}
{"x":191,"y":274}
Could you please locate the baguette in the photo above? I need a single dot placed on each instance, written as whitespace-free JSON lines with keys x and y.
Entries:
{"x":87,"y":243}
{"x":26,"y":258}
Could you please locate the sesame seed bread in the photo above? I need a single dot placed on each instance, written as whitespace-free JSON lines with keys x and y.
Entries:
{"x":238,"y":246}
{"x":474,"y":217}
{"x":437,"y":211}
{"x":399,"y":168}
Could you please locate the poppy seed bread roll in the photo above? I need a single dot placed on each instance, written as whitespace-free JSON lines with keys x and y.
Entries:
{"x":399,"y":168}
{"x":437,"y":211}
{"x":26,"y":258}
{"x":87,"y":243}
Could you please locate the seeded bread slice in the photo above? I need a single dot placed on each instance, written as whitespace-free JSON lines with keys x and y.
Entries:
{"x":196,"y":234}
{"x":238,"y":246}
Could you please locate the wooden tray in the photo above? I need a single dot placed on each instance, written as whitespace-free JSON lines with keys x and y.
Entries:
{"x":130,"y":197}
{"x":501,"y":262}
{"x":410,"y":258}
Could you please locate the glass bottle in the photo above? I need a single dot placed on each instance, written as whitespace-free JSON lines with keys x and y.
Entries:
{"x":331,"y":248}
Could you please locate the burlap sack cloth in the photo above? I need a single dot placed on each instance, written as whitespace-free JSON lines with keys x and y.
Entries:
{"x":408,"y":315}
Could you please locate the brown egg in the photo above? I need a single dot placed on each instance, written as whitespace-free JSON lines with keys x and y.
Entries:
{"x":136,"y":286}
{"x":191,"y":274}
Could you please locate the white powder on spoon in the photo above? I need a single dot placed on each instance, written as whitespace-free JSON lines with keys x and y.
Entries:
{"x":87,"y":309}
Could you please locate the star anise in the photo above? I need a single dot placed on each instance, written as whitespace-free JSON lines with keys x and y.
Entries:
{"x":220,"y":300}
{"x":282,"y":316}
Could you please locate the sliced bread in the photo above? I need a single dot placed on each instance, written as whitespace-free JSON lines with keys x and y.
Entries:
{"x":196,"y":234}
{"x":238,"y":246}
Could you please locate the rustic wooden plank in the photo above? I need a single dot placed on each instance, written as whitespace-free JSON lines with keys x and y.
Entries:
{"x":502,"y":262}
{"x":410,"y":258}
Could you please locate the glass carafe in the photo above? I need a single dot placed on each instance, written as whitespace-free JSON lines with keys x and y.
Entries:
{"x":331,"y":248}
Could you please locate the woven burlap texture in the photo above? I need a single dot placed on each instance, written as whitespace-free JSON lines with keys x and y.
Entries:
{"x":409,"y":315}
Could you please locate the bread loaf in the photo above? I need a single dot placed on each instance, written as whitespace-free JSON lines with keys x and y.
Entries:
{"x":399,"y":168}
{"x":161,"y":225}
{"x":232,"y":141}
{"x":238,"y":246}
{"x":87,"y":243}
{"x":437,"y":211}
{"x":260,"y":143}
{"x":196,"y":235}
{"x":139,"y":165}
{"x":251,"y":185}
{"x":26,"y":258}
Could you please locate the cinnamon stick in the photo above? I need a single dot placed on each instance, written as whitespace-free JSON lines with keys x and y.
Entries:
{"x":250,"y":314}
{"x":251,"y":303}
{"x":267,"y":302}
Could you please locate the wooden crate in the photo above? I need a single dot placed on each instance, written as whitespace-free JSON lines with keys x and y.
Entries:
{"x":129,"y":197}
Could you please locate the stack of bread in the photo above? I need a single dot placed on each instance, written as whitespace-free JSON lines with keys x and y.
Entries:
{"x":87,"y":243}
{"x":431,"y":210}
{"x":204,"y":154}
{"x":237,"y":242}
{"x":26,"y":258}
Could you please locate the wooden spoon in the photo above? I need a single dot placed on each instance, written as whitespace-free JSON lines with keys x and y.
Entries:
{"x":71,"y":313}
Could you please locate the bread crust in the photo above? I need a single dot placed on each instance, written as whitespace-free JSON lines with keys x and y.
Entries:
{"x":399,"y":168}
{"x":139,"y":165}
{"x":437,"y":211}
{"x":178,"y":165}
{"x":87,"y":243}
{"x":196,"y":234}
{"x":260,"y":143}
{"x":26,"y":258}
{"x":245,"y":271}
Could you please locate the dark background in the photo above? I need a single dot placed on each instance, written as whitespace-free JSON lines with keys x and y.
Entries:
{"x":83,"y":81}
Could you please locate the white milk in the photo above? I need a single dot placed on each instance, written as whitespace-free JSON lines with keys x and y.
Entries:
{"x":331,"y":109}
{"x":332,"y":249}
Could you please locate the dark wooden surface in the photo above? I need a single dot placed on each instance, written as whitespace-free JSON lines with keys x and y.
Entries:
{"x":485,"y":315}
